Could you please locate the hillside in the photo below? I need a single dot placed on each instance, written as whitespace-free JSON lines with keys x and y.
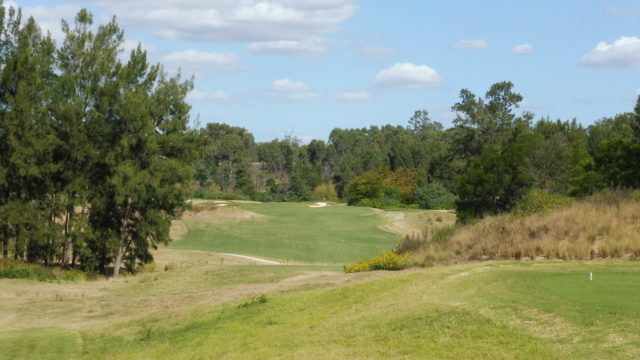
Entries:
{"x":205,"y":309}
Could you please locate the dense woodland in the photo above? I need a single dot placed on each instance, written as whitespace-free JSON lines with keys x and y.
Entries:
{"x":97,"y":156}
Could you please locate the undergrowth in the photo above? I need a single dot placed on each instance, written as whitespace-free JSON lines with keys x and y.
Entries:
{"x":13,"y":269}
{"x":603,"y":226}
{"x":388,"y":260}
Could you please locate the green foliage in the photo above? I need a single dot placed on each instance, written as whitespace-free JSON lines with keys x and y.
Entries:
{"x":11,"y":269}
{"x":541,"y":200}
{"x":98,"y":148}
{"x":635,"y":195}
{"x":325,"y":191}
{"x":619,"y":163}
{"x":388,"y":260}
{"x":494,"y":183}
{"x":434,"y":196}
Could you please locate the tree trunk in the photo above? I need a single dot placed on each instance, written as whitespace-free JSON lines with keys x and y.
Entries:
{"x":5,"y":241}
{"x":68,"y":246}
{"x":124,"y":239}
{"x":118,"y":263}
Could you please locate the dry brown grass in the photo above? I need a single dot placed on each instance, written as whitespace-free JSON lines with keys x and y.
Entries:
{"x":595,"y":229}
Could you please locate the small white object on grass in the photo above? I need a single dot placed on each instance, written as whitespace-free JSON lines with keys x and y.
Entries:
{"x":591,"y":276}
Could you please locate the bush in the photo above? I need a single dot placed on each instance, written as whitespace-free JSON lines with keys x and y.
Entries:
{"x":170,"y":266}
{"x":541,"y":200}
{"x":430,"y":236}
{"x":208,"y":194}
{"x":434,"y":196}
{"x":388,"y":260}
{"x":635,"y":195}
{"x":10,"y":269}
{"x":325,"y":192}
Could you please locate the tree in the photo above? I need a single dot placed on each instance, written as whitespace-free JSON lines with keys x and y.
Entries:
{"x":494,"y":183}
{"x":485,"y":123}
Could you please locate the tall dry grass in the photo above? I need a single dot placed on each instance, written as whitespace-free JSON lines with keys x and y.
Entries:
{"x":605,"y":226}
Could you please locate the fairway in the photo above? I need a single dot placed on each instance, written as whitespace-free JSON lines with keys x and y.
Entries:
{"x":481,"y":311}
{"x":290,"y":232}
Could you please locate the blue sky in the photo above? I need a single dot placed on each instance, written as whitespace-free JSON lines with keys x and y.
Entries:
{"x":304,"y":67}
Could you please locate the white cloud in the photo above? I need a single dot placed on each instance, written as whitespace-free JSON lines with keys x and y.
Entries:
{"x":291,"y":90}
{"x":247,"y":21}
{"x":408,"y":76}
{"x":352,"y":96}
{"x":470,"y":45}
{"x":522,"y":49}
{"x":49,"y":18}
{"x":196,"y":95}
{"x":312,"y":46}
{"x":198,"y":61}
{"x":623,"y":53}
{"x":131,"y":44}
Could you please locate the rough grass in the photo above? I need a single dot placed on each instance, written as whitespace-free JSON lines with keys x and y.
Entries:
{"x":584,"y":230}
{"x":476,"y":311}
{"x":291,"y":232}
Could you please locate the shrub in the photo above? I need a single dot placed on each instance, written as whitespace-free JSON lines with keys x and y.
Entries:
{"x":170,"y":266}
{"x":325,"y":191}
{"x":11,"y":269}
{"x":635,"y":195}
{"x":148,"y":268}
{"x":541,"y":200}
{"x":434,"y":196}
{"x":388,"y":260}
{"x":430,"y":236}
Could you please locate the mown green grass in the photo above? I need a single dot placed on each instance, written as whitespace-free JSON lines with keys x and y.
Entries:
{"x":295,"y":232}
{"x":477,"y":311}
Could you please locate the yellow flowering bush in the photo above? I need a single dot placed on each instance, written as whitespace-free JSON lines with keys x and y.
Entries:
{"x":388,"y":260}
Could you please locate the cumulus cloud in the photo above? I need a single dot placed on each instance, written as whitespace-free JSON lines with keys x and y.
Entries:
{"x":408,"y":76}
{"x":196,"y":95}
{"x":522,"y":49}
{"x":198,"y":61}
{"x":248,"y":21}
{"x":291,"y":90}
{"x":49,"y":17}
{"x":471,"y":45}
{"x":623,"y":53}
{"x":352,"y":96}
{"x":312,"y":46}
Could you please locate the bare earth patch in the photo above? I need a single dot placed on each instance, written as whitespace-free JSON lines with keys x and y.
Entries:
{"x":318,"y":204}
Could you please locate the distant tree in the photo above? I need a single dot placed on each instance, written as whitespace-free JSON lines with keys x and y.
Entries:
{"x":487,"y":123}
{"x":494,"y":183}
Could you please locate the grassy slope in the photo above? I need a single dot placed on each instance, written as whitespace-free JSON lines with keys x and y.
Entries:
{"x":480,"y":311}
{"x":585,"y":230}
{"x":295,"y":232}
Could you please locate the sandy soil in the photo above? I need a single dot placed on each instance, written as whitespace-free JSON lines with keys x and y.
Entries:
{"x":319,"y":204}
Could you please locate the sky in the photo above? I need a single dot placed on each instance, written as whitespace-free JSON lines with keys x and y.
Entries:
{"x":304,"y":67}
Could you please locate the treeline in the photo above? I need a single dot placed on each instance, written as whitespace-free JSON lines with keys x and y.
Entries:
{"x":96,"y":156}
{"x":491,"y":156}
{"x":93,"y":148}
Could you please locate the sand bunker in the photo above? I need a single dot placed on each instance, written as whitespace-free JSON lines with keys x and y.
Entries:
{"x":319,"y":204}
